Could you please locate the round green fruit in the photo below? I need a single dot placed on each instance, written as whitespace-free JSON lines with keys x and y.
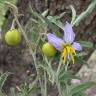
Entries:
{"x":49,"y":50}
{"x":13,"y":37}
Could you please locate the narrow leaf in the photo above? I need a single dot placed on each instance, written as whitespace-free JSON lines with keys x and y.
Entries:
{"x":82,"y":87}
{"x":86,"y":44}
{"x":73,"y":14}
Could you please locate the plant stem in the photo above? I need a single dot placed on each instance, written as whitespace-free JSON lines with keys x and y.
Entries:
{"x":15,"y":12}
{"x":59,"y":89}
{"x":66,"y":66}
{"x":31,"y":51}
{"x":27,"y":41}
{"x":45,"y":83}
{"x":60,"y":63}
{"x":66,"y":83}
{"x":57,"y":77}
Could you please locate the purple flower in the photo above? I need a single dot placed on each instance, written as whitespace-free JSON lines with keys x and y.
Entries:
{"x":66,"y":46}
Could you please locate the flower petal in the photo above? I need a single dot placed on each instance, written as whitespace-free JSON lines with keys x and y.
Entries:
{"x":69,"y":35}
{"x":55,"y":41}
{"x":77,"y":46}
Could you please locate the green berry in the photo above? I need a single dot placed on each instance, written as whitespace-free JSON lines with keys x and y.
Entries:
{"x":49,"y":50}
{"x":13,"y":37}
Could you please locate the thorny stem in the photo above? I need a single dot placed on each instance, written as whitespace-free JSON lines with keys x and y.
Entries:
{"x":27,"y":41}
{"x":15,"y":12}
{"x":57,"y":76}
{"x":57,"y":82}
{"x":45,"y":84}
{"x":58,"y":69}
{"x":66,"y":66}
{"x":67,"y":88}
{"x":59,"y":89}
{"x":66,"y":83}
{"x":13,"y":22}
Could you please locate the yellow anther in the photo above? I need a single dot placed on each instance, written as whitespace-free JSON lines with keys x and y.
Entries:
{"x":68,"y":49}
{"x":72,"y":57}
{"x":64,"y":54}
{"x":73,"y":50}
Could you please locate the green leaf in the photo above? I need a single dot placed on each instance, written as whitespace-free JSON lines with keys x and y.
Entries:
{"x":73,"y":14}
{"x":81,"y":54}
{"x":85,"y":13}
{"x":2,"y":1}
{"x":3,"y":78}
{"x":45,"y":13}
{"x":86,"y":44}
{"x":55,"y":21}
{"x":3,"y":10}
{"x":43,"y":19}
{"x":49,"y":70}
{"x":61,"y":15}
{"x":80,"y":59}
{"x":65,"y":76}
{"x":82,"y":87}
{"x":79,"y":94}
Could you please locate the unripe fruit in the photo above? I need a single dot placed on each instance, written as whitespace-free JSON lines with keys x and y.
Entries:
{"x":49,"y":50}
{"x":13,"y":37}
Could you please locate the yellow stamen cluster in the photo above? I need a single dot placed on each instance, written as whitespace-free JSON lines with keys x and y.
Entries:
{"x":68,"y":50}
